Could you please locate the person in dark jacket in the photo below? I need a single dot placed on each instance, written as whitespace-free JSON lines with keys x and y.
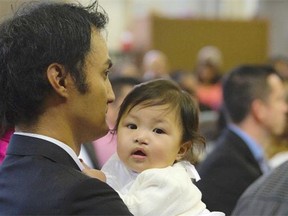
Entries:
{"x":266,"y":196}
{"x":255,"y":108}
{"x":55,"y":91}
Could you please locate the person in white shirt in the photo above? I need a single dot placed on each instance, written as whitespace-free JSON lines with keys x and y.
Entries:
{"x":157,"y":134}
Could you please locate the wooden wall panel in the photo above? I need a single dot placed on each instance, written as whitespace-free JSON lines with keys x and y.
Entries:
{"x":181,"y":39}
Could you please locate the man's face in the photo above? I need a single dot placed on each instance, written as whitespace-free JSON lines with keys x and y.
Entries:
{"x":90,"y":108}
{"x":276,"y":106}
{"x":114,"y":107}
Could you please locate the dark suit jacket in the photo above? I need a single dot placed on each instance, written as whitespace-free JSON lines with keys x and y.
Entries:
{"x":38,"y":177}
{"x":226,"y":172}
{"x":267,"y":196}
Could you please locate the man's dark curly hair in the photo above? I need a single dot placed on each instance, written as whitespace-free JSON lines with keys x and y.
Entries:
{"x":38,"y":35}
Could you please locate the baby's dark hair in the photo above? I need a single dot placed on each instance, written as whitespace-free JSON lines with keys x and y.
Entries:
{"x":164,"y":91}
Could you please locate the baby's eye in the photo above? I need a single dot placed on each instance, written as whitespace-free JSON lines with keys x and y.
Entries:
{"x":158,"y":131}
{"x":132,"y":126}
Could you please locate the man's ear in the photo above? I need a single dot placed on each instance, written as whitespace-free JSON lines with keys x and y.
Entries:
{"x":184,"y":148}
{"x":57,"y":76}
{"x":258,"y":110}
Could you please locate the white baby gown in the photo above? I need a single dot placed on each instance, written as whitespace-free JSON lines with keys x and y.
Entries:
{"x":160,"y":191}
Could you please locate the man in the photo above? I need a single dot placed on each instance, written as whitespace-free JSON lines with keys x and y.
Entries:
{"x":267,"y":196}
{"x":254,"y":101}
{"x":55,"y":90}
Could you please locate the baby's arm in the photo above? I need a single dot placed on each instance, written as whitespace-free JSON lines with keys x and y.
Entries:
{"x":164,"y":191}
{"x":94,"y":173}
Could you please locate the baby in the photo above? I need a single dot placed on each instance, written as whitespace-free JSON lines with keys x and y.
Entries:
{"x":157,"y":140}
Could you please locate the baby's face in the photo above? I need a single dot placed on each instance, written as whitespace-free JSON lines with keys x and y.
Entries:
{"x":149,"y":137}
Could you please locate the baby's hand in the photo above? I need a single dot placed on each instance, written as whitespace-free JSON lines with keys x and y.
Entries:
{"x":94,"y":173}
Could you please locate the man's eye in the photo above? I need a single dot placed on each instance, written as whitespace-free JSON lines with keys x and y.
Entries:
{"x":158,"y":131}
{"x":132,"y":126}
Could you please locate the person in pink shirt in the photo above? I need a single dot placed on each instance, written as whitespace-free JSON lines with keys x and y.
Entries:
{"x":209,"y":88}
{"x":4,"y":143}
{"x":208,"y":71}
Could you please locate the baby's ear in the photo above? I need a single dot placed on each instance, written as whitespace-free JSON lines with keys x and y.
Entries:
{"x":184,"y":148}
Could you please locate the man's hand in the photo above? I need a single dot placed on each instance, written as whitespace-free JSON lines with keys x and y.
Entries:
{"x":94,"y":173}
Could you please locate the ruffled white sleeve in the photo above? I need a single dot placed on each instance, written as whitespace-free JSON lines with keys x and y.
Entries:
{"x":162,"y":192}
{"x":166,"y":191}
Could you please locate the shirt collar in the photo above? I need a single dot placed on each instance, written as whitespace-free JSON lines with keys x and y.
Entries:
{"x":254,"y":147}
{"x":56,"y":142}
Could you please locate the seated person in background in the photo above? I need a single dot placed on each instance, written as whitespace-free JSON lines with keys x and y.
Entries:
{"x":255,"y":110}
{"x":155,"y":65}
{"x":188,"y":82}
{"x":105,"y":147}
{"x":157,"y":134}
{"x":209,"y":88}
{"x":208,"y":74}
{"x":127,"y":69}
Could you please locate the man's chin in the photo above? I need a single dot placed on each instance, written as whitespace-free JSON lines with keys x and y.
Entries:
{"x":103,"y":131}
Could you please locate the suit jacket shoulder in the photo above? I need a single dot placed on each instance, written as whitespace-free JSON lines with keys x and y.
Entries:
{"x":226,"y":172}
{"x":39,"y":177}
{"x":266,"y":196}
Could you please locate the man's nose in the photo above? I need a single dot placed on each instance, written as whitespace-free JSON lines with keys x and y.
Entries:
{"x":110,"y":93}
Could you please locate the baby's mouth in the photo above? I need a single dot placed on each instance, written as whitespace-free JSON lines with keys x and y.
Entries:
{"x":139,"y":152}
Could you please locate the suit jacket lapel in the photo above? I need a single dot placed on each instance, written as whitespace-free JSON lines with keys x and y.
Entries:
{"x":31,"y":146}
